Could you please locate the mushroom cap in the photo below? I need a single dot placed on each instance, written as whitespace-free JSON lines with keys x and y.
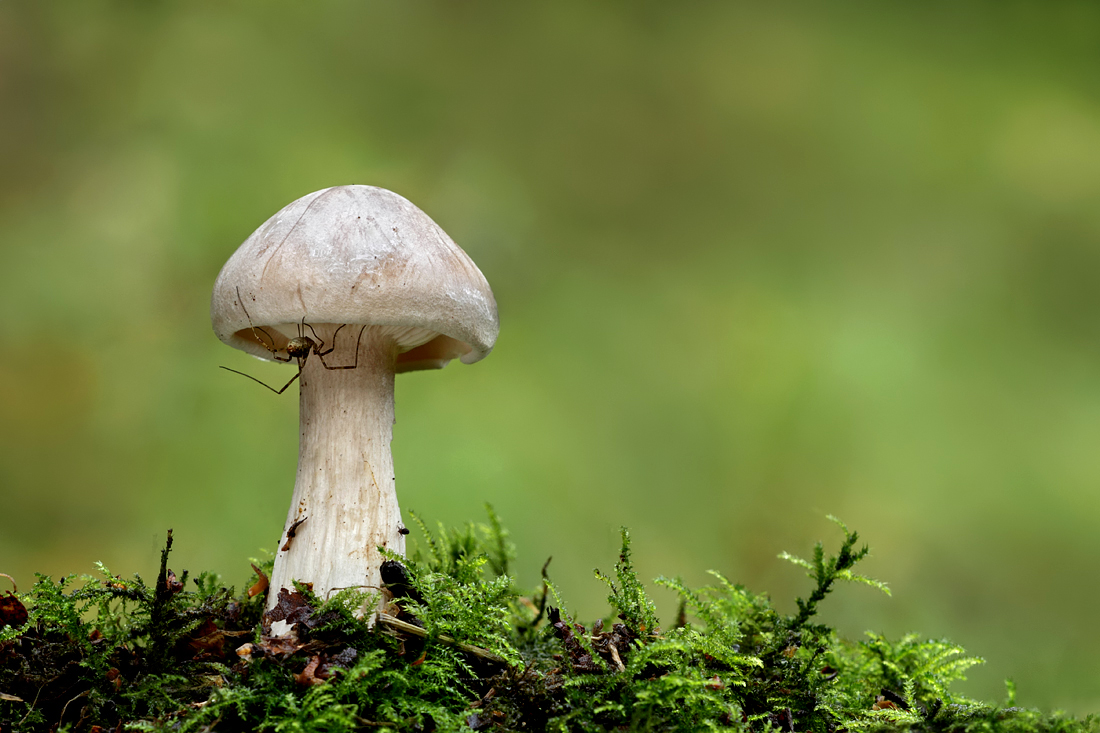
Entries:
{"x":357,"y":255}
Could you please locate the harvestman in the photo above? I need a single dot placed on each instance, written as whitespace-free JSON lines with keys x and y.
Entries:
{"x":299,"y":348}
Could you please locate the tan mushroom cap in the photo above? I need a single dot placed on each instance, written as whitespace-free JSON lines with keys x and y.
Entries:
{"x":357,"y":255}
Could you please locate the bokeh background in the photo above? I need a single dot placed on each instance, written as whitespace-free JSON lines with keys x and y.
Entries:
{"x":755,"y":263}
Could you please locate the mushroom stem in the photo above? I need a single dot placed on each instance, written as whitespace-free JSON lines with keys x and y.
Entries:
{"x":345,"y":503}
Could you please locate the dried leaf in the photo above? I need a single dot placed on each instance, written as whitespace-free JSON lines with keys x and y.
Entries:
{"x":172,"y":584}
{"x":290,"y":533}
{"x":261,"y":584}
{"x":307,"y":677}
{"x":293,"y":608}
{"x":579,"y":657}
{"x":12,"y":611}
{"x":207,"y":637}
{"x":244,"y":651}
{"x":279,"y":646}
{"x":290,"y":607}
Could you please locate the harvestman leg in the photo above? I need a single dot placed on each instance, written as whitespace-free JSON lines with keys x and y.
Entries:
{"x":257,"y":331}
{"x":321,"y":354}
{"x":317,"y":348}
{"x":274,"y":354}
{"x":257,"y":381}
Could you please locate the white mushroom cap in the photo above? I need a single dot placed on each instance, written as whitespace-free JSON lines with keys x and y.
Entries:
{"x":357,"y":255}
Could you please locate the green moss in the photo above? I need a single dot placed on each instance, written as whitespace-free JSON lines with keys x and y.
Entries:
{"x":462,"y":648}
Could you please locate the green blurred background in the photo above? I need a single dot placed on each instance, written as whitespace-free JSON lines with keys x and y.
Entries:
{"x":755,"y":263}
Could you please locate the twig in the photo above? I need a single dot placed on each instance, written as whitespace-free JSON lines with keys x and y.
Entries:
{"x":545,"y":592}
{"x":31,"y":708}
{"x":211,"y":726}
{"x":615,"y":657}
{"x":408,"y":628}
{"x":527,"y":626}
{"x":62,"y":716}
{"x":364,"y":721}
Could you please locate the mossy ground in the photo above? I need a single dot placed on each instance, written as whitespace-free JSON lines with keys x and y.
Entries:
{"x":462,"y":648}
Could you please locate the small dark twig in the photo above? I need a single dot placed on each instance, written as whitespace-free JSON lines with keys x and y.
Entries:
{"x":31,"y":708}
{"x":371,"y":723}
{"x":70,"y":702}
{"x":158,"y":614}
{"x":542,"y":598}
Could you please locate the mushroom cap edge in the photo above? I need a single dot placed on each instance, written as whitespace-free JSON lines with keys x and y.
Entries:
{"x":357,"y":255}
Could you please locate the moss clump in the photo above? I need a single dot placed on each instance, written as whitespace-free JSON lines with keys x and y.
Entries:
{"x":461,"y":648}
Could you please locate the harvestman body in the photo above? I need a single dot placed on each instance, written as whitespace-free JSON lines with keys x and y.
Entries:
{"x":298,"y":348}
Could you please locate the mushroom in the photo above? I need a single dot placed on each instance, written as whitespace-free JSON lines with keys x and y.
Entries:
{"x":364,"y":284}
